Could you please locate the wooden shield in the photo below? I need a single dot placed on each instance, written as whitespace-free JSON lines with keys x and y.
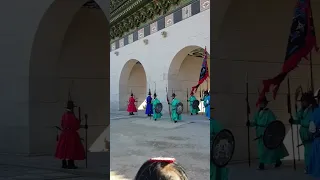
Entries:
{"x":158,"y":108}
{"x":274,"y":135}
{"x":179,"y":108}
{"x":222,"y":148}
{"x":195,"y":104}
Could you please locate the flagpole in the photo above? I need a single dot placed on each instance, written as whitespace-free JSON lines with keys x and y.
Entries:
{"x":311,"y":73}
{"x":290,"y":113}
{"x":248,"y":119}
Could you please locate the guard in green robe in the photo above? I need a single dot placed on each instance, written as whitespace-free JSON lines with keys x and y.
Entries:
{"x":261,"y":120}
{"x":303,"y":118}
{"x":174,"y":116}
{"x":216,"y":173}
{"x":154,"y":102}
{"x":191,"y":99}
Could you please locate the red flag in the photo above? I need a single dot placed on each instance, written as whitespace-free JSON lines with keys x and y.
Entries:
{"x":301,"y":41}
{"x":204,"y":71}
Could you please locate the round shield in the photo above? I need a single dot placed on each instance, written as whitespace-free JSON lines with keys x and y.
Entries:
{"x":158,"y":108}
{"x":222,"y":148}
{"x":274,"y":135}
{"x":195,"y":104}
{"x":179,"y":108}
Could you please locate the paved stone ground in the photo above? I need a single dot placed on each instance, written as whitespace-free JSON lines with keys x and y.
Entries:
{"x":48,"y":168}
{"x":286,"y":172}
{"x":136,"y":138}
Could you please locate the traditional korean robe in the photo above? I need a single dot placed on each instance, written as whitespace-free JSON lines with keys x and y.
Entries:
{"x":69,"y":145}
{"x":217,"y":173}
{"x":191,"y":100}
{"x":303,"y":118}
{"x":156,"y":115}
{"x":174,"y":115}
{"x":266,"y":156}
{"x":206,"y":103}
{"x":131,"y":105}
{"x":314,"y":158}
{"x":149,"y":109}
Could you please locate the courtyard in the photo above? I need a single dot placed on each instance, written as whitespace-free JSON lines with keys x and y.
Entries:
{"x":137,"y":138}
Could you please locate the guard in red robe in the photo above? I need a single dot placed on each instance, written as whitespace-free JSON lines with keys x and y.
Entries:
{"x":69,"y":147}
{"x":131,"y":105}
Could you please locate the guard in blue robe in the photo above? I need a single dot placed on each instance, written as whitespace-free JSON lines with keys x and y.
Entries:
{"x":206,"y":103}
{"x":149,"y":110}
{"x":314,"y":157}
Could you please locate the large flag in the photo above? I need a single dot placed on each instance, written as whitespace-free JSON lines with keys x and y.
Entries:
{"x":301,"y":41}
{"x":204,"y":72}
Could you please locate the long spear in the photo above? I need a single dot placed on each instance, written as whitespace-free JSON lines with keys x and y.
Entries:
{"x":168,"y":103}
{"x":248,"y":116}
{"x":298,"y":90}
{"x":187,"y":99}
{"x":290,"y":113}
{"x":86,"y":129}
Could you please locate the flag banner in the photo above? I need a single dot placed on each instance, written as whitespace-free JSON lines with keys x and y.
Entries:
{"x":302,"y":40}
{"x":204,"y":72}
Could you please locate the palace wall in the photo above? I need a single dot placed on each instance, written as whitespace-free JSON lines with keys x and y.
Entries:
{"x":250,"y":37}
{"x":33,"y":89}
{"x":161,"y":58}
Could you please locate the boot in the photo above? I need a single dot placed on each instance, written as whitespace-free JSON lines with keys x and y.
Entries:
{"x":71,"y":164}
{"x":64,"y":164}
{"x":175,"y":121}
{"x":278,"y":164}
{"x":261,"y":166}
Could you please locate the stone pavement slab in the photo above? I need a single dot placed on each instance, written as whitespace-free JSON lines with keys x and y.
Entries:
{"x":137,"y":139}
{"x":285,"y":172}
{"x":98,"y":166}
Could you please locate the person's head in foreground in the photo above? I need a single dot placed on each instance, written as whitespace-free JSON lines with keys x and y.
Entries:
{"x":161,"y":169}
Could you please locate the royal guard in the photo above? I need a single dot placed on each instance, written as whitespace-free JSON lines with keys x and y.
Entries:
{"x":194,"y":104}
{"x":149,"y":110}
{"x":216,"y":173}
{"x":131,"y":105}
{"x":176,"y":108}
{"x":206,"y":103}
{"x":314,"y":156}
{"x":262,"y":119}
{"x":303,"y":118}
{"x":69,"y":147}
{"x":157,"y":107}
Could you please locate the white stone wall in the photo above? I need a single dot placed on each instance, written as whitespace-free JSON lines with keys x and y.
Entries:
{"x":31,"y":101}
{"x":159,"y":55}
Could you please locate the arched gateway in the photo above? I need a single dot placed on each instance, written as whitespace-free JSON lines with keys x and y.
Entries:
{"x":70,"y":45}
{"x":132,"y":80}
{"x":184,"y":73}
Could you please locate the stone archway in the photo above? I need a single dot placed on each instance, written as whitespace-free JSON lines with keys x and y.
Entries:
{"x":132,"y":79}
{"x":71,"y":46}
{"x":184,"y":73}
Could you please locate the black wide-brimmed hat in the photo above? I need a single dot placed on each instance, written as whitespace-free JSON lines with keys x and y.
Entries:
{"x":308,"y":96}
{"x":173,"y":95}
{"x":70,"y":105}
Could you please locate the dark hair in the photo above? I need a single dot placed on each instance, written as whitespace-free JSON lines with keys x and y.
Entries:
{"x":151,"y":170}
